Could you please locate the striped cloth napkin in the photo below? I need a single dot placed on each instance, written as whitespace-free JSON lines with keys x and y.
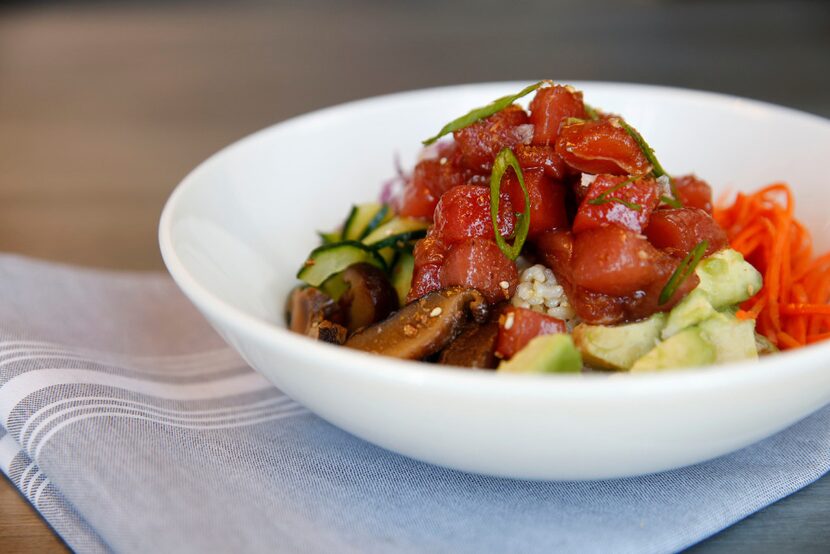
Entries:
{"x":131,"y":427}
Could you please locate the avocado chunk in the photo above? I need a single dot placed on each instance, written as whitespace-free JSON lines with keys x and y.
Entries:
{"x":727,"y":278}
{"x":693,"y":309}
{"x":545,"y":354}
{"x":618,"y":347}
{"x":732,"y":338}
{"x":687,"y":348}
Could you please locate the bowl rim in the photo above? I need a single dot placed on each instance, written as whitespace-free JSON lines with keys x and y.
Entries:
{"x":406,"y":372}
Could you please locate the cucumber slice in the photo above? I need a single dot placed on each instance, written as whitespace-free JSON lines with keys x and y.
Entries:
{"x":334,"y":286}
{"x":395,"y":226}
{"x":394,"y":234}
{"x":402,"y":275}
{"x":388,"y":247}
{"x":398,"y":241}
{"x":330,"y":238}
{"x":324,"y":261}
{"x":363,"y":219}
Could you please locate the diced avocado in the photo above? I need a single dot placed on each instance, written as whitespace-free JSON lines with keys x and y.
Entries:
{"x":545,"y":354}
{"x":727,"y":278}
{"x":687,"y":348}
{"x":733,"y":339}
{"x":620,"y":346}
{"x":693,"y":309}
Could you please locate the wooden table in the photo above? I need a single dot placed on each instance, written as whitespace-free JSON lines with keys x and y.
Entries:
{"x":104,"y":109}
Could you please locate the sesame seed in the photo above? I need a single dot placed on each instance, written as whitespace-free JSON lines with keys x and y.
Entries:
{"x":508,"y":322}
{"x":443,"y":161}
{"x":435,"y":312}
{"x":504,"y":284}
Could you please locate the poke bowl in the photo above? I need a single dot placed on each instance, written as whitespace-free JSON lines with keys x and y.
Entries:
{"x":239,"y":227}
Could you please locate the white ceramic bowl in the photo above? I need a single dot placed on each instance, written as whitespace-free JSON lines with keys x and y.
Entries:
{"x":236,"y":229}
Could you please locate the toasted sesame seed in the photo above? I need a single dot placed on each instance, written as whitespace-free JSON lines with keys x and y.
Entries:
{"x":508,"y":321}
{"x":435,"y":312}
{"x":443,"y":161}
{"x":409,"y":330}
{"x":504,"y":284}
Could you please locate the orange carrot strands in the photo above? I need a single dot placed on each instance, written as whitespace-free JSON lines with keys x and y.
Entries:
{"x":744,"y":315}
{"x":793,"y":307}
{"x":805,"y":309}
{"x":816,"y":338}
{"x":787,"y":341}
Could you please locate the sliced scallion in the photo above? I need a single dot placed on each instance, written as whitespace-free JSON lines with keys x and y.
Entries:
{"x":656,"y":168}
{"x":606,"y":197}
{"x":669,"y":201}
{"x":503,"y":161}
{"x":685,"y":268}
{"x":480,"y":113}
{"x":648,"y":151}
{"x":591,"y":112}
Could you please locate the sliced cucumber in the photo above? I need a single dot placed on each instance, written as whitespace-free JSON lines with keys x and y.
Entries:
{"x":398,"y":241}
{"x":324,"y":261}
{"x":363,"y":219}
{"x":395,"y":226}
{"x":334,"y":286}
{"x":330,"y":238}
{"x":394,"y":234}
{"x":402,"y":275}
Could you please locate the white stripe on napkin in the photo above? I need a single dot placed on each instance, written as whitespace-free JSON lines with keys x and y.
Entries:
{"x":146,"y":406}
{"x":58,"y":427}
{"x":8,"y":450}
{"x":223,"y":415}
{"x":182,"y":365}
{"x":21,"y":386}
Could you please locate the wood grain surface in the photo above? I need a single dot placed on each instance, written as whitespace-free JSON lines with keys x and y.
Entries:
{"x":105,"y":106}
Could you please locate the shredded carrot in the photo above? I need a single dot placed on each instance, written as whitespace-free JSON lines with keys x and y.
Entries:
{"x":793,"y":307}
{"x":743,"y":315}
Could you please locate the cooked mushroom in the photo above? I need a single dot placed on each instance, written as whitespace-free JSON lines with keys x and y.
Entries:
{"x":328,"y":331}
{"x":423,"y":327}
{"x":474,"y":347}
{"x":311,"y":313}
{"x":369,"y":298}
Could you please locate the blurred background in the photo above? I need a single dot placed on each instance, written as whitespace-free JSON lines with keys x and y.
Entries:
{"x":104,"y":106}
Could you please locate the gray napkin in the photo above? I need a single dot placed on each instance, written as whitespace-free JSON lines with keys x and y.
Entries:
{"x":130,"y":426}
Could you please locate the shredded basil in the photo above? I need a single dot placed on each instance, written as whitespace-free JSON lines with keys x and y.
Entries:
{"x":606,"y":197}
{"x":506,"y":159}
{"x":480,"y":113}
{"x":685,"y":268}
